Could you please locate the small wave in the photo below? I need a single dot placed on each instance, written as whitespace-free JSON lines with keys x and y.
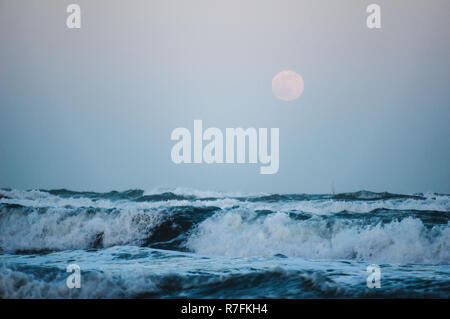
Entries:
{"x":361,"y":202}
{"x":193,"y":278}
{"x":263,"y":284}
{"x":17,"y":284}
{"x":131,"y":194}
{"x":165,"y":197}
{"x":369,"y":196}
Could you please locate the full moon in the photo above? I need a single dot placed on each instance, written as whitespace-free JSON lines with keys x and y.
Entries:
{"x":287,"y":85}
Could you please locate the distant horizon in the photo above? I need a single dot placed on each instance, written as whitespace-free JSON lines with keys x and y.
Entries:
{"x":181,"y":189}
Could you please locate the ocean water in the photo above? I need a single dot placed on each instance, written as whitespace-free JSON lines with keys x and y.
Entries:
{"x":183,"y":243}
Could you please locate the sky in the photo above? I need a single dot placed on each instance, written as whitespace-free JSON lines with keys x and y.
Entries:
{"x":93,"y":108}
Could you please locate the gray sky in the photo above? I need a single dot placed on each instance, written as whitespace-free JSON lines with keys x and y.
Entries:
{"x":93,"y":108}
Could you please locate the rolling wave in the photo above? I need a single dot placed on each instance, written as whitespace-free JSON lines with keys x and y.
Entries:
{"x":141,"y":272}
{"x":365,"y":226}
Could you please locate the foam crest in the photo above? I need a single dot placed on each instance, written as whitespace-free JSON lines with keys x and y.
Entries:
{"x":314,"y":204}
{"x":56,"y":229}
{"x":242,"y":234}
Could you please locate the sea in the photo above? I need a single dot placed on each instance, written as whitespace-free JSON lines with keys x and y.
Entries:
{"x":182,"y":243}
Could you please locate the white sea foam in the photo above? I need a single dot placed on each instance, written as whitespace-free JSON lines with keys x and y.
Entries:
{"x":50,"y":222}
{"x":36,"y":198}
{"x":58,"y":229}
{"x":16,"y":284}
{"x":241,"y":234}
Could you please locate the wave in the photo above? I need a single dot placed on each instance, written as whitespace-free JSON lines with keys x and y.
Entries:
{"x":368,"y":196}
{"x":163,"y":274}
{"x":379,"y":227}
{"x":247,"y":234}
{"x":381,"y":235}
{"x":362,"y":201}
{"x":29,"y":229}
{"x":52,"y":229}
{"x":189,"y":194}
{"x":263,"y":284}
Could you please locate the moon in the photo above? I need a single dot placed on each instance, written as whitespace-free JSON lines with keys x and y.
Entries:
{"x":287,"y":85}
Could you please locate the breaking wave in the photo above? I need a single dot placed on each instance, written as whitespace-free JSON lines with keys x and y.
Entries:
{"x":367,"y":226}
